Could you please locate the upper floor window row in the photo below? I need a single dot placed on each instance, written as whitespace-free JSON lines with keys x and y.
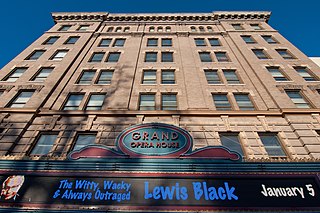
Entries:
{"x":214,"y":42}
{"x":148,"y":101}
{"x":76,"y":100}
{"x":118,"y":29}
{"x":150,"y":76}
{"x":227,"y":76}
{"x":57,"y":56}
{"x":21,"y":99}
{"x":112,"y":57}
{"x":81,"y":28}
{"x":219,"y":56}
{"x":153,"y":57}
{"x":238,"y":26}
{"x":17,"y":72}
{"x":160,"y":29}
{"x":106,"y":42}
{"x":51,"y":40}
{"x":242,"y":101}
{"x":249,"y":40}
{"x":201,"y":29}
{"x":92,"y":76}
{"x":165,"y":42}
{"x":261,"y":54}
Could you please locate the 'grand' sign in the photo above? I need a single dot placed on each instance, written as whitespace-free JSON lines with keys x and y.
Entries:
{"x":155,"y":139}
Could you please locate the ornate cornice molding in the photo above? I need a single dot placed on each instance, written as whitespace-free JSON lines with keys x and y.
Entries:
{"x":162,"y":17}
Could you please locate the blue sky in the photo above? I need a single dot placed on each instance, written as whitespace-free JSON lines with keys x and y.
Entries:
{"x":23,"y":21}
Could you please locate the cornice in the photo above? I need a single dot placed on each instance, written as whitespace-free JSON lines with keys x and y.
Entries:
{"x":161,"y":17}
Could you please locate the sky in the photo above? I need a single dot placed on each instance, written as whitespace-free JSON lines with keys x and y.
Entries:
{"x":23,"y":21}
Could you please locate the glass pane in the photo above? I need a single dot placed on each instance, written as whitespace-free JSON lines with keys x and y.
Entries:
{"x":105,"y":77}
{"x":95,"y":102}
{"x":169,"y":102}
{"x":231,"y":77}
{"x":248,"y":39}
{"x":200,"y":42}
{"x":17,"y":72}
{"x":43,"y":74}
{"x":86,"y":77}
{"x":152,"y":42}
{"x":237,"y":26}
{"x":51,"y":40}
{"x":166,"y":42}
{"x":221,"y":102}
{"x":147,"y":102}
{"x":113,"y":57}
{"x":260,"y":54}
{"x":65,"y":28}
{"x":84,"y":140}
{"x":269,"y":39}
{"x":72,"y":40}
{"x":244,"y":102}
{"x":73,"y":102}
{"x":222,"y":56}
{"x":167,"y":77}
{"x":105,"y":42}
{"x":35,"y":55}
{"x":205,"y":57}
{"x":60,"y":55}
{"x":272,"y":144}
{"x":231,"y":141}
{"x":212,"y":77}
{"x":119,"y":43}
{"x":149,"y":77}
{"x":166,"y":57}
{"x":214,"y":42}
{"x":21,"y":99}
{"x":44,"y":144}
{"x":97,"y":57}
{"x":151,"y":57}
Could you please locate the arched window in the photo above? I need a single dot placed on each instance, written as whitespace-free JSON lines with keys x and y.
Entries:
{"x":151,"y":29}
{"x":118,"y":29}
{"x":110,"y":29}
{"x":168,"y":29}
{"x":210,"y":29}
{"x":201,"y":29}
{"x":126,"y":29}
{"x":193,"y":29}
{"x":160,"y":29}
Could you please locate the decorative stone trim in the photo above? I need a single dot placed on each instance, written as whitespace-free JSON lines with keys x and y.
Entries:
{"x":78,"y":16}
{"x":38,"y":88}
{"x":6,"y":87}
{"x":314,"y":87}
{"x":282,"y":88}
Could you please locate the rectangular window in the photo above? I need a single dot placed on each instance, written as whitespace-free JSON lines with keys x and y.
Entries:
{"x":248,"y":39}
{"x":222,"y":56}
{"x":95,"y":102}
{"x":260,"y":54}
{"x":151,"y":57}
{"x":83,"y":27}
{"x":119,"y":42}
{"x":237,"y":26}
{"x":44,"y":144}
{"x":21,"y":99}
{"x":166,"y":42}
{"x":277,"y":74}
{"x":64,"y":28}
{"x":105,"y":42}
{"x":285,"y":54}
{"x":42,"y":74}
{"x":297,"y":99}
{"x":72,"y":40}
{"x":231,"y":141}
{"x":149,"y":77}
{"x":73,"y":102}
{"x":113,"y":57}
{"x":269,"y":39}
{"x":200,"y":42}
{"x":169,"y":102}
{"x":59,"y":55}
{"x":221,"y":102}
{"x":212,"y":77}
{"x":244,"y":102}
{"x":86,"y":77}
{"x":214,"y":42}
{"x":167,"y":77}
{"x":105,"y":77}
{"x":272,"y":144}
{"x":51,"y":40}
{"x":166,"y":57}
{"x":15,"y":74}
{"x":305,"y":73}
{"x":147,"y":102}
{"x":96,"y":57}
{"x":205,"y":57}
{"x":152,"y":42}
{"x":231,"y":76}
{"x":256,"y":26}
{"x":84,"y":139}
{"x":35,"y":55}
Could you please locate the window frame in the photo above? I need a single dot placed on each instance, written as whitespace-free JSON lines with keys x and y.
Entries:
{"x":301,"y":102}
{"x":243,"y":107}
{"x":222,"y":135}
{"x":163,"y":81}
{"x":168,"y":106}
{"x":107,"y":80}
{"x":20,"y":104}
{"x":13,"y":76}
{"x":97,"y":53}
{"x":153,"y":106}
{"x":267,"y":148}
{"x":219,"y":103}
{"x":208,"y":55}
{"x":208,"y":78}
{"x":39,"y":72}
{"x":149,"y":57}
{"x":102,"y":41}
{"x":56,"y":57}
{"x":31,"y":56}
{"x":82,"y":81}
{"x":73,"y":106}
{"x":265,"y":56}
{"x":287,"y":56}
{"x":92,"y":106}
{"x":117,"y":40}
{"x":275,"y":76}
{"x":74,"y":145}
{"x":74,"y":40}
{"x":167,"y":57}
{"x":50,"y":146}
{"x":307,"y":75}
{"x":147,"y":81}
{"x":250,"y":41}
{"x":48,"y":42}
{"x":166,"y":42}
{"x":150,"y":42}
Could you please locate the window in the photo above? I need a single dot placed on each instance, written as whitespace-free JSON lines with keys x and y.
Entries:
{"x":305,"y":73}
{"x":152,"y":42}
{"x":168,"y":29}
{"x":119,"y":42}
{"x":51,"y":40}
{"x":276,"y":74}
{"x":244,"y":102}
{"x":269,"y":39}
{"x":201,"y":29}
{"x":44,"y":144}
{"x":231,"y":76}
{"x":15,"y":74}
{"x":42,"y":74}
{"x":126,"y":29}
{"x":147,"y":102}
{"x":199,"y":42}
{"x":73,"y":102}
{"x":110,"y":29}
{"x":248,"y":39}
{"x":35,"y":55}
{"x":272,"y":144}
{"x":260,"y":54}
{"x":166,"y":57}
{"x":96,"y":57}
{"x":285,"y":54}
{"x":237,"y":26}
{"x":72,"y":40}
{"x":193,"y":29}
{"x":212,"y":77}
{"x":297,"y":99}
{"x":149,"y":77}
{"x":151,"y":57}
{"x":221,"y":102}
{"x":169,"y":102}
{"x":167,"y":77}
{"x":105,"y":42}
{"x":151,"y":29}
{"x":209,"y":29}
{"x":64,"y":28}
{"x":118,"y":29}
{"x":83,"y":27}
{"x":113,"y":57}
{"x":84,"y":139}
{"x":231,"y":141}
{"x":214,"y":42}
{"x":160,"y":29}
{"x":59,"y":55}
{"x":256,"y":26}
{"x":222,"y":56}
{"x":95,"y":102}
{"x":105,"y":77}
{"x":21,"y":99}
{"x":166,"y":42}
{"x":86,"y":77}
{"x":205,"y":57}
